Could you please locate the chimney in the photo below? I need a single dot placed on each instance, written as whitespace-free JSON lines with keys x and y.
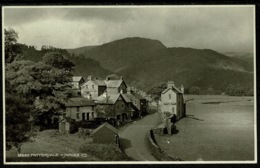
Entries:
{"x":121,"y":78}
{"x":170,"y":84}
{"x":90,"y":77}
{"x":182,"y":89}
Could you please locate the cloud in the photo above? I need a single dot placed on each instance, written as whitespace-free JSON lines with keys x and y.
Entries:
{"x":219,"y":28}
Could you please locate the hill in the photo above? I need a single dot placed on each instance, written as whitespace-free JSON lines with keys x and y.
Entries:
{"x":246,"y":57}
{"x":84,"y":66}
{"x":79,"y":50}
{"x":124,"y":53}
{"x":147,"y":63}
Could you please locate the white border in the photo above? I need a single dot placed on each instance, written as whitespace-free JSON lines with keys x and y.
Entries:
{"x":131,"y":162}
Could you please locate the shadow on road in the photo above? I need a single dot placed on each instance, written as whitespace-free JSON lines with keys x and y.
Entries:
{"x":125,"y":143}
{"x":192,"y":117}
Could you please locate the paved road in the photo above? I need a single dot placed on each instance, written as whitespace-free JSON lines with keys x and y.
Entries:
{"x":134,"y":137}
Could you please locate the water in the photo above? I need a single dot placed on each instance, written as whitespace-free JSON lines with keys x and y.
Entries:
{"x":222,"y":129}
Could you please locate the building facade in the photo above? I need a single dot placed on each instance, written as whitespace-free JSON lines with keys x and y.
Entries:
{"x":93,"y":88}
{"x":106,"y":134}
{"x":113,"y":107}
{"x":80,"y":109}
{"x":172,"y":101}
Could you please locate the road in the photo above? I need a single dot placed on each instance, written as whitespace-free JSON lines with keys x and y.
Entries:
{"x":134,"y":137}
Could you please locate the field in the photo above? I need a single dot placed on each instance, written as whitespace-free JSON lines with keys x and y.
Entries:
{"x":217,"y":128}
{"x":68,"y":147}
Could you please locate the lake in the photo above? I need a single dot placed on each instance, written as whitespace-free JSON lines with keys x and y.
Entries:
{"x":217,"y":128}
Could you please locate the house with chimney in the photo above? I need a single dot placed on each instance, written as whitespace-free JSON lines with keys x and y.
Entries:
{"x":76,"y":83}
{"x":172,"y":101}
{"x":140,"y":103}
{"x":93,"y":88}
{"x":113,"y":108}
{"x":106,"y":100}
{"x":115,"y":85}
{"x":80,"y":109}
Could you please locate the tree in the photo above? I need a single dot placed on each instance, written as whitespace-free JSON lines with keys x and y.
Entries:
{"x":33,"y":91}
{"x":195,"y":90}
{"x":18,"y":111}
{"x":12,"y":49}
{"x":57,"y":60}
{"x":18,"y":121}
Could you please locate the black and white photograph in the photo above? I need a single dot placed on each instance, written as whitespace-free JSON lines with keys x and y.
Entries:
{"x":129,"y":84}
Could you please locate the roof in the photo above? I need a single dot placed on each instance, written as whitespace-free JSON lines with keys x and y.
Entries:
{"x":138,"y":96}
{"x":96,"y":81}
{"x":127,"y":98}
{"x":131,"y":98}
{"x":99,"y":82}
{"x":176,"y":90}
{"x":114,"y":83}
{"x":76,"y":78}
{"x":105,"y":125}
{"x":78,"y":102}
{"x":110,"y":99}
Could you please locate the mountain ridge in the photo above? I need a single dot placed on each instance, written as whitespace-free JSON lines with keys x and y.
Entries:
{"x":147,"y":62}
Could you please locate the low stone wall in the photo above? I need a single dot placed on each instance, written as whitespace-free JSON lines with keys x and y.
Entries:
{"x":157,"y":152}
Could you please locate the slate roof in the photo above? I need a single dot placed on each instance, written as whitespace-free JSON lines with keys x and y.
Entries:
{"x":137,"y":95}
{"x":99,"y":82}
{"x":76,"y":78}
{"x":129,"y":96}
{"x":175,"y":89}
{"x":126,"y":97}
{"x":79,"y":102}
{"x":106,"y":125}
{"x":113,"y":83}
{"x":110,"y":99}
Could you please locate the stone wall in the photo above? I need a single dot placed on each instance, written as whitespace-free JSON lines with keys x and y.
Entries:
{"x":156,"y":151}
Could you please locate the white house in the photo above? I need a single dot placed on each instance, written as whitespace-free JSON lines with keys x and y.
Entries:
{"x":172,"y":101}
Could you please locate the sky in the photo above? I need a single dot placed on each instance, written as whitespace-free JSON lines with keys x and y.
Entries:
{"x":223,"y":28}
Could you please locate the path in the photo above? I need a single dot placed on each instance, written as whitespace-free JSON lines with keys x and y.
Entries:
{"x":134,"y":137}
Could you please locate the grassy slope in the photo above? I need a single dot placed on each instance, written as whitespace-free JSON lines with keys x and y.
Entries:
{"x":146,"y":63}
{"x":51,"y":142}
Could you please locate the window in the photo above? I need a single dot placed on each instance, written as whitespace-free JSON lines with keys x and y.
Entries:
{"x":92,"y":108}
{"x":170,"y":96}
{"x":92,"y":86}
{"x":86,"y":86}
{"x":135,"y":102}
{"x":77,"y":109}
{"x":77,"y":115}
{"x":93,"y":115}
{"x":122,"y":106}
